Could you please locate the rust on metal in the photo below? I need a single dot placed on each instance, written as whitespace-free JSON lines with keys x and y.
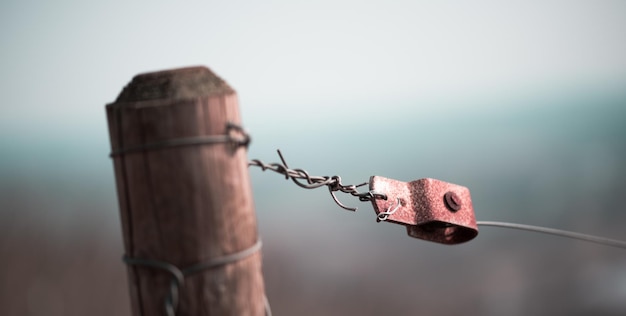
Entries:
{"x":431,"y":209}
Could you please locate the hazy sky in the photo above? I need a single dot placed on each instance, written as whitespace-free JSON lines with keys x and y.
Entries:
{"x":331,"y":83}
{"x":62,"y":61}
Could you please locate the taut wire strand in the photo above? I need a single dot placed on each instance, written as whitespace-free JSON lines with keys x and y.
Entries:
{"x":557,"y":232}
{"x":382,"y":216}
{"x":304,"y":180}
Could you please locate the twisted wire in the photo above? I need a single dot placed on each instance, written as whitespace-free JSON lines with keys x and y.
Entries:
{"x":304,"y":180}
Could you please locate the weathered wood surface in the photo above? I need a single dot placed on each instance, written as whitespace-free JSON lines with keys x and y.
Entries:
{"x":185,"y":205}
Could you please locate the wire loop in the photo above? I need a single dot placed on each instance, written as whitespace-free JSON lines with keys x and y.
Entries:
{"x":178,"y":275}
{"x":382,"y":216}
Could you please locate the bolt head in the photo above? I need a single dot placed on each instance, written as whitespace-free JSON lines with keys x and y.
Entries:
{"x":452,"y":201}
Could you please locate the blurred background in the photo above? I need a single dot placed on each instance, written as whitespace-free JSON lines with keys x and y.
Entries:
{"x":524,"y":102}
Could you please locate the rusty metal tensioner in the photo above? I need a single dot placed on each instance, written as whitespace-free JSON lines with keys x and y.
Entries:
{"x":430,"y":209}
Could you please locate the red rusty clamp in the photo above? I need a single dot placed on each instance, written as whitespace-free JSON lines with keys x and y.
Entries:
{"x":432,"y":210}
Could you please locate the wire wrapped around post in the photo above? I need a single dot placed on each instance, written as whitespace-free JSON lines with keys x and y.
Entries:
{"x":185,"y":197}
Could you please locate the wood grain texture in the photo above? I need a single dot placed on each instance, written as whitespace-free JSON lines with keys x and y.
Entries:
{"x":185,"y":205}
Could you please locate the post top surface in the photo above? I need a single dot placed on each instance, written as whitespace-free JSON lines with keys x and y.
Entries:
{"x":174,"y":84}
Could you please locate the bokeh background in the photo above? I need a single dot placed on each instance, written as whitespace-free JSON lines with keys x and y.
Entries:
{"x":524,"y":102}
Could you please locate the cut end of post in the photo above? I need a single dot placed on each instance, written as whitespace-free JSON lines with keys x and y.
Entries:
{"x":174,"y":84}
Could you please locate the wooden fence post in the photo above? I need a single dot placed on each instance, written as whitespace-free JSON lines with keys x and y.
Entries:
{"x":185,"y":195}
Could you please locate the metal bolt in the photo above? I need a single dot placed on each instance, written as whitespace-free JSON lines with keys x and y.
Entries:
{"x":452,"y":201}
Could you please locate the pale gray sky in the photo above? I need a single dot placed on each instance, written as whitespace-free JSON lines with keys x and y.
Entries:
{"x":62,"y":61}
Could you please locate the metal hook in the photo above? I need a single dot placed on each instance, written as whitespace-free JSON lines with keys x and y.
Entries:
{"x":382,"y":216}
{"x":333,"y":183}
{"x":332,"y":193}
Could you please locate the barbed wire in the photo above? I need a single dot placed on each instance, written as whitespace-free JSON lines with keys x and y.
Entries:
{"x":304,"y":180}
